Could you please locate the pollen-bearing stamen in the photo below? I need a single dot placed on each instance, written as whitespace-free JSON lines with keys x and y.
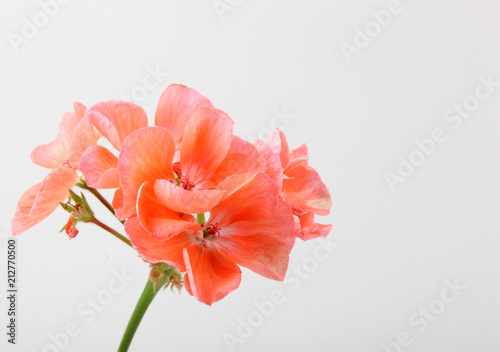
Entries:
{"x":186,"y":183}
{"x":211,"y":231}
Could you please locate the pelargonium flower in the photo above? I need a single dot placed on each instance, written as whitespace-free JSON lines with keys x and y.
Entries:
{"x":114,"y":120}
{"x":250,"y":227}
{"x":39,"y":201}
{"x":299,"y":184}
{"x":75,"y":149}
{"x":185,"y":156}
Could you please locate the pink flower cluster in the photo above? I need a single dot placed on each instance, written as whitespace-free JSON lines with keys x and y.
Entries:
{"x":260,"y":197}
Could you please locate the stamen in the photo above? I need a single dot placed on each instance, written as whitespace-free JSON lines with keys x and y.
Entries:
{"x":186,"y":183}
{"x":212,"y":231}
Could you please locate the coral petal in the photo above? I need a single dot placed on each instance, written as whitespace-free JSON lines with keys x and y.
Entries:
{"x":99,"y":166}
{"x":211,"y":275}
{"x":274,"y":168}
{"x":118,"y":203}
{"x":84,"y":137}
{"x":205,"y":143}
{"x":300,"y":154}
{"x":266,"y":255}
{"x":255,"y":199}
{"x":160,"y":221}
{"x":176,"y":105}
{"x":116,"y":119}
{"x":146,"y":155}
{"x":279,"y":145}
{"x":305,"y":189}
{"x":53,"y":154}
{"x":41,"y":200}
{"x":155,"y":251}
{"x":310,"y":229}
{"x":183,"y":201}
{"x":80,"y":110}
{"x":241,"y":158}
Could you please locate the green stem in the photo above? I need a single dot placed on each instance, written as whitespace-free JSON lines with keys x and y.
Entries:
{"x":111,"y":231}
{"x":82,"y":184}
{"x":200,"y":218}
{"x":140,"y":309}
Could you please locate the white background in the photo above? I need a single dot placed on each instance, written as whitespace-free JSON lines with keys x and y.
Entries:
{"x":395,"y":249}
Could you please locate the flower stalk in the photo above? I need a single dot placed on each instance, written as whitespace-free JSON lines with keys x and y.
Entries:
{"x":162,"y":275}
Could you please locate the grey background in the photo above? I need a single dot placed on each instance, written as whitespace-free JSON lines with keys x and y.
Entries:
{"x":395,"y":249}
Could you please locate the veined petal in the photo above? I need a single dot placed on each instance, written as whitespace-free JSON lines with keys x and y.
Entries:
{"x":146,"y":155}
{"x":118,"y":204}
{"x":279,"y":145}
{"x":84,"y":137}
{"x":205,"y":143}
{"x":176,"y":105}
{"x":300,"y":154}
{"x":274,"y":169}
{"x":310,"y":229}
{"x":305,"y":189}
{"x":41,"y":200}
{"x":264,"y":254}
{"x":254,"y":200}
{"x":155,"y":251}
{"x":53,"y":154}
{"x":178,"y":199}
{"x":211,"y":275}
{"x":159,"y":220}
{"x":116,"y":119}
{"x":80,"y":110}
{"x":242,"y":158}
{"x":99,"y":166}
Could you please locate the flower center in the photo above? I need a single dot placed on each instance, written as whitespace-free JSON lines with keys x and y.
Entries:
{"x":185,"y":183}
{"x":211,"y":231}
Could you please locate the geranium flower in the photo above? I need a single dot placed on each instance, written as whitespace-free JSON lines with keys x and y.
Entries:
{"x":251,"y":227}
{"x":114,"y":120}
{"x":39,"y":201}
{"x":300,"y":185}
{"x":75,"y":149}
{"x":148,"y":155}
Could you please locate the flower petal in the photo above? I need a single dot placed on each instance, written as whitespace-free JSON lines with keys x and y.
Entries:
{"x":146,"y":155}
{"x":99,"y":166}
{"x":176,"y":105}
{"x":242,"y":158}
{"x":254,"y":200}
{"x":84,"y":137}
{"x":274,"y":168}
{"x":118,"y":204}
{"x":310,"y":229}
{"x":205,"y":143}
{"x":116,"y":119}
{"x":300,"y":154}
{"x":305,"y":189}
{"x":159,"y":220}
{"x":41,"y":200}
{"x":264,"y":254}
{"x":155,"y":251}
{"x":178,"y":199}
{"x":279,"y":145}
{"x":80,"y":110}
{"x":211,"y":275}
{"x":53,"y":154}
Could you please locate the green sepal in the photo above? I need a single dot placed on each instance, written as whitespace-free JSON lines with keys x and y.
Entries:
{"x":68,"y":207}
{"x":82,"y":183}
{"x":86,"y":206}
{"x":63,"y":228}
{"x":75,"y":197}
